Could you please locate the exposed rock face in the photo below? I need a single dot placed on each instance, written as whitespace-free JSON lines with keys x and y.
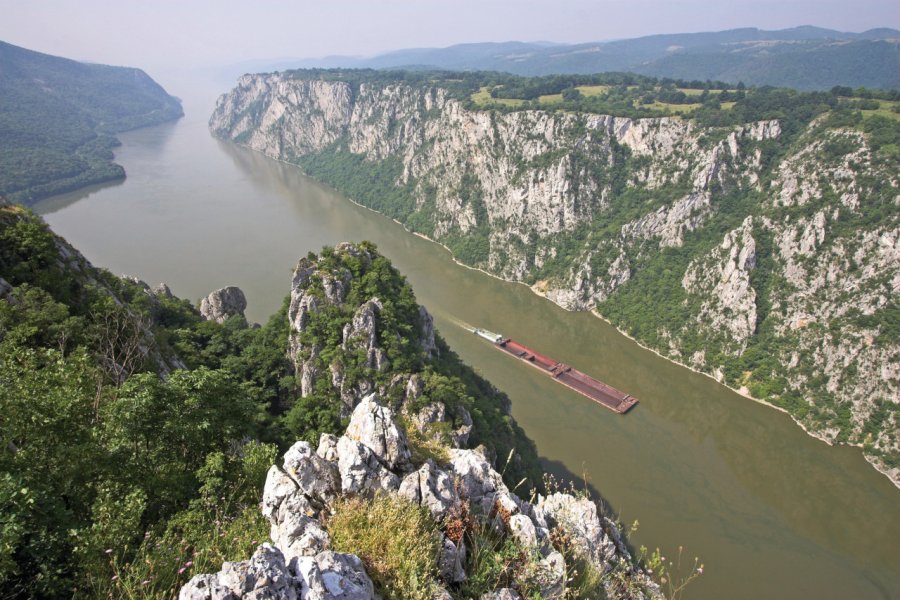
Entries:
{"x":373,"y":426}
{"x":223,"y":304}
{"x":799,"y":266}
{"x":722,"y":278}
{"x":578,"y":518}
{"x":297,"y":494}
{"x":431,"y":487}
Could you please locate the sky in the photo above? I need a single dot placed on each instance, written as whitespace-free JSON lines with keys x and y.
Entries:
{"x":166,"y":34}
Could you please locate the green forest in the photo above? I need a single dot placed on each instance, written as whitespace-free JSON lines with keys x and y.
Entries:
{"x":58,"y":118}
{"x":136,"y":436}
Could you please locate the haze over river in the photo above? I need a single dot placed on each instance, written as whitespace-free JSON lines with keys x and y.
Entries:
{"x":771,"y":512}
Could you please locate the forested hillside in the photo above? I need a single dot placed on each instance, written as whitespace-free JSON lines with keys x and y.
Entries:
{"x":750,"y":233}
{"x":136,"y":435}
{"x":58,"y":118}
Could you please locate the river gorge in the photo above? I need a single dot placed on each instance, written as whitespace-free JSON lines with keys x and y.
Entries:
{"x":732,"y":481}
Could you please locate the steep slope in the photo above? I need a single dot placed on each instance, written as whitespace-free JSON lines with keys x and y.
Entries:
{"x":58,"y":117}
{"x":809,"y":58}
{"x":138,"y":430}
{"x":410,"y":441}
{"x":766,"y":258}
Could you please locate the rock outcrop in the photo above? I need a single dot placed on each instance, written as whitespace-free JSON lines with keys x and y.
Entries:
{"x":299,"y":563}
{"x":223,"y":304}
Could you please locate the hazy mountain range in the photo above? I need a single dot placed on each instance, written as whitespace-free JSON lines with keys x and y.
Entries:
{"x":804,"y":58}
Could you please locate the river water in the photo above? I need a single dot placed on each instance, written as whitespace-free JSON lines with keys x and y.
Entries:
{"x":771,"y":512}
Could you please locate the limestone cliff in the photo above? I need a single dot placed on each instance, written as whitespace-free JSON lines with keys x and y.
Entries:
{"x":765,"y":259}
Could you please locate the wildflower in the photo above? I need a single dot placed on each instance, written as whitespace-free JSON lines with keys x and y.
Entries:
{"x":189,"y":563}
{"x":146,"y":534}
{"x":254,"y":542}
{"x":145,"y":582}
{"x":662,"y":580}
{"x":114,"y":577}
{"x":108,"y":551}
{"x":182,"y":570}
{"x":700,"y":570}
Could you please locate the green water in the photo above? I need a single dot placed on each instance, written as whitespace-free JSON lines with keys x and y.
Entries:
{"x":771,"y":512}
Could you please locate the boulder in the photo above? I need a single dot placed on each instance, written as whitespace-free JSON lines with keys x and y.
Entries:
{"x":477,"y":481}
{"x":431,"y":487}
{"x":328,"y":447}
{"x":551,"y":576}
{"x":223,"y":304}
{"x":264,"y":576}
{"x":334,"y":576}
{"x":523,"y":530}
{"x":578,"y":518}
{"x":460,"y":436}
{"x":452,"y":560}
{"x":361,"y":471}
{"x":315,"y":476}
{"x":373,"y":425}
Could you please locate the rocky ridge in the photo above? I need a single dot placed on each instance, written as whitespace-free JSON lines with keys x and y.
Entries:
{"x":776,"y":246}
{"x":391,"y":417}
{"x":371,"y":458}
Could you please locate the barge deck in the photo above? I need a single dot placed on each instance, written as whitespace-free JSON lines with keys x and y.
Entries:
{"x":601,"y":393}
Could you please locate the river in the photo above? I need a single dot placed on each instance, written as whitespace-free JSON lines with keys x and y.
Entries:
{"x":771,"y":512}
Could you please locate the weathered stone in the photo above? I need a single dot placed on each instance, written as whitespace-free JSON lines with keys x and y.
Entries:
{"x":362,"y":472}
{"x":579,"y":519}
{"x":334,"y":576}
{"x":373,"y":425}
{"x":206,"y":587}
{"x":316,"y":477}
{"x":427,"y":337}
{"x":502,"y":594}
{"x":162,"y":290}
{"x":431,"y":487}
{"x":523,"y":530}
{"x":477,"y":481}
{"x":223,"y":304}
{"x":460,"y":435}
{"x":452,"y":561}
{"x":328,"y":447}
{"x":264,"y":576}
{"x":551,"y":576}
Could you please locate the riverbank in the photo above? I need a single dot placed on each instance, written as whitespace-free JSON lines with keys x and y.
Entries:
{"x":893,"y":475}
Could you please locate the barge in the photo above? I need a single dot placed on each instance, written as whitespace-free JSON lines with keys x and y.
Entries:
{"x":601,"y":393}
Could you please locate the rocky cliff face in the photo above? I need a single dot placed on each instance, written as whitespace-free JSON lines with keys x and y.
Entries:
{"x":766,"y":260}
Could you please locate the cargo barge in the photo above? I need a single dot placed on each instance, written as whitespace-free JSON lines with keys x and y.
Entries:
{"x":601,"y":393}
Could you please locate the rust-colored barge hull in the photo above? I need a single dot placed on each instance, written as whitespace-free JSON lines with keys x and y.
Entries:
{"x":599,"y":392}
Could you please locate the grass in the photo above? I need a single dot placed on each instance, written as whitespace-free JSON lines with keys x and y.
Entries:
{"x":675,"y":108}
{"x":164,"y":563}
{"x":397,"y":541}
{"x":592,"y":90}
{"x":886,"y":109}
{"x":483,"y":98}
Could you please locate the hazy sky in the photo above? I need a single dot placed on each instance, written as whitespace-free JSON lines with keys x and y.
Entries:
{"x":165,"y":34}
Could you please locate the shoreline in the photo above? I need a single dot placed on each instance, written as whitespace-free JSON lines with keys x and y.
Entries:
{"x":869,"y":459}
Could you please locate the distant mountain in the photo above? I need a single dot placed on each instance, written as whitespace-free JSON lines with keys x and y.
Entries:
{"x":58,"y":118}
{"x":805,"y":58}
